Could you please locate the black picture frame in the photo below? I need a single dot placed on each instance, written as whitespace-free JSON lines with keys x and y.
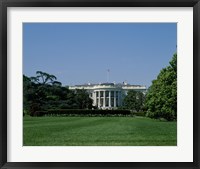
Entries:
{"x":4,"y":4}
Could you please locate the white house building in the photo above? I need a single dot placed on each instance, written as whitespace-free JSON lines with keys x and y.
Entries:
{"x":108,"y":95}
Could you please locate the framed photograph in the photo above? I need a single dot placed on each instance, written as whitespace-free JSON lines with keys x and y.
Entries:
{"x":101,"y":84}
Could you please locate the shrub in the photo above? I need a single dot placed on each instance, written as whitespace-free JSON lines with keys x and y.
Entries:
{"x":82,"y":112}
{"x":139,"y":114}
{"x":34,"y":107}
{"x":39,"y":113}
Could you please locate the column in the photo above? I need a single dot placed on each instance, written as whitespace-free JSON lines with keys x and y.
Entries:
{"x":119,"y":94}
{"x":99,"y":99}
{"x":114,"y":98}
{"x":109,"y":98}
{"x":94,"y":98}
{"x":104,"y":98}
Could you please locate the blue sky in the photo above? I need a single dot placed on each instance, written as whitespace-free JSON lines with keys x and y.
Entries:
{"x":78,"y":53}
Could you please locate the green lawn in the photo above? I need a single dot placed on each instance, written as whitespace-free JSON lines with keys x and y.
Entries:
{"x":98,"y":131}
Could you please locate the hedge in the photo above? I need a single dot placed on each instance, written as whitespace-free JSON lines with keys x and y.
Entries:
{"x":139,"y":114}
{"x":39,"y":113}
{"x":82,"y":112}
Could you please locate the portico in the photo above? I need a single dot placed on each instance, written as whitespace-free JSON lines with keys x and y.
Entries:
{"x":107,"y":98}
{"x":108,"y":95}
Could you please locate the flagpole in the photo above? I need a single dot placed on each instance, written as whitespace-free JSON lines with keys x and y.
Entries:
{"x":108,"y":71}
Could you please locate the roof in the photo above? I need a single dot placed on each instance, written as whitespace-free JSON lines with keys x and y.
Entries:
{"x":108,"y":84}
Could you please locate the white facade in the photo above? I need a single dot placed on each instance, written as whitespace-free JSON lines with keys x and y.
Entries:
{"x":108,"y":95}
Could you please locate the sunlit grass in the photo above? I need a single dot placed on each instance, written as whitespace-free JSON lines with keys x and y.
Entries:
{"x":98,"y":131}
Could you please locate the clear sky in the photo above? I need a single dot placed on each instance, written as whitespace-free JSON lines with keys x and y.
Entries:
{"x":79,"y":53}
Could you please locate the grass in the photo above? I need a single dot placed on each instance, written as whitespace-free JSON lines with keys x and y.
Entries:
{"x":98,"y":131}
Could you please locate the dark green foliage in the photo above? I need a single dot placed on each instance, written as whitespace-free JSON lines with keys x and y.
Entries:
{"x":134,"y":101}
{"x":142,"y":114}
{"x":33,"y":96}
{"x":82,"y":112}
{"x":42,"y":92}
{"x":39,"y":113}
{"x":44,"y":78}
{"x":82,"y":100}
{"x":161,"y":99}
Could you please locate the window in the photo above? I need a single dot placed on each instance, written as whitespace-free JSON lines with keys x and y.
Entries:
{"x":112,"y":102}
{"x":107,"y":102}
{"x":112,"y":93}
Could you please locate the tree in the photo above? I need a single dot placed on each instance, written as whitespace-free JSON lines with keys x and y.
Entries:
{"x":26,"y":85}
{"x":43,"y":92}
{"x":82,"y":99}
{"x":33,"y":96}
{"x":37,"y":90}
{"x":134,"y":101}
{"x":161,"y":98}
{"x":44,"y":78}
